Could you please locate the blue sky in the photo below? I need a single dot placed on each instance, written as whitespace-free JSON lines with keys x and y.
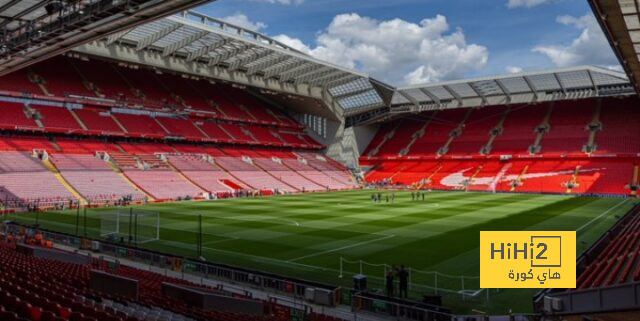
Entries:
{"x":460,"y":38}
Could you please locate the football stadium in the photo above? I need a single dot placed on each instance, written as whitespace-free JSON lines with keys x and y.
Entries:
{"x":161,"y":164}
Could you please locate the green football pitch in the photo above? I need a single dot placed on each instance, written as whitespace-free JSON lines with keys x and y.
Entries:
{"x":329,"y":237}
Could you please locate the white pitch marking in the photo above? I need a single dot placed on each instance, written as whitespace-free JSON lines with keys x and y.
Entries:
{"x":386,"y":236}
{"x":264,"y":218}
{"x":258,"y":218}
{"x":601,"y":215}
{"x":271,"y":260}
{"x":227,"y":239}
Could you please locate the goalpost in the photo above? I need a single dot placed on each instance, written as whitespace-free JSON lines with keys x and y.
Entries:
{"x":460,"y":286}
{"x":131,"y":225}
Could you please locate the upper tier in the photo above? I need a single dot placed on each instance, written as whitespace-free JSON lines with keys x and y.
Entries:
{"x":585,"y":126}
{"x":101,"y":98}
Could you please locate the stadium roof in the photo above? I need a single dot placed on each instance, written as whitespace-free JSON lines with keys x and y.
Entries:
{"x":520,"y":88}
{"x":34,"y":30}
{"x":620,"y":21}
{"x":528,"y":87}
{"x":209,"y":47}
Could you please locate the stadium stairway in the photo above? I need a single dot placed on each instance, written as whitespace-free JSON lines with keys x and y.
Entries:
{"x":541,"y":130}
{"x":40,"y":82}
{"x":122,"y":175}
{"x":438,"y":169}
{"x":475,"y":173}
{"x":497,"y":130}
{"x":80,"y":122}
{"x":249,"y":134}
{"x":186,"y":178}
{"x":519,"y":179}
{"x":594,"y":126}
{"x":228,"y":133}
{"x":53,"y":169}
{"x":296,"y":170}
{"x":275,"y":177}
{"x":574,"y":180}
{"x":34,"y":112}
{"x":387,"y":136}
{"x":417,"y":135}
{"x":204,"y":133}
{"x":55,"y":145}
{"x":246,"y":110}
{"x":162,"y":125}
{"x":117,"y":121}
{"x":236,"y":178}
{"x":456,"y":132}
{"x":277,"y":135}
{"x":275,"y":167}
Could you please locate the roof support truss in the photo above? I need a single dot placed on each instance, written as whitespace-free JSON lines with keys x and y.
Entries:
{"x":321,"y":81}
{"x":454,"y":94}
{"x":533,"y":88}
{"x":275,"y":69}
{"x":475,"y":90}
{"x":227,"y":54}
{"x":316,"y":72}
{"x":410,"y":98}
{"x":200,"y":52}
{"x":172,"y":48}
{"x":261,"y":66}
{"x":504,"y":90}
{"x":564,"y":90}
{"x":429,"y":94}
{"x":254,"y":56}
{"x":293,"y":72}
{"x":152,"y":38}
{"x":298,"y":72}
{"x":595,"y":86}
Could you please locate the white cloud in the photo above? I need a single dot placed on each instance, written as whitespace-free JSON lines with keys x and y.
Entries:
{"x":294,"y":43}
{"x":285,"y":2}
{"x":525,"y":3}
{"x":513,"y":69}
{"x":615,"y":68}
{"x":241,"y":20}
{"x":396,"y":50}
{"x":590,"y":47}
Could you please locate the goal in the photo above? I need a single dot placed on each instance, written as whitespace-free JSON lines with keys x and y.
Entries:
{"x":131,"y":225}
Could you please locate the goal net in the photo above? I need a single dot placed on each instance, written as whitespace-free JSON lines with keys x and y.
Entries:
{"x":130,"y":225}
